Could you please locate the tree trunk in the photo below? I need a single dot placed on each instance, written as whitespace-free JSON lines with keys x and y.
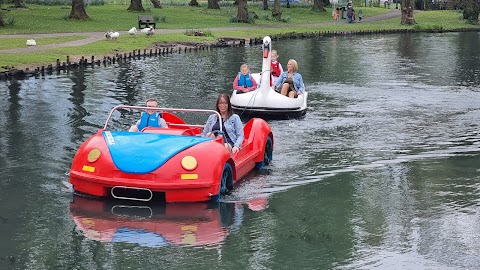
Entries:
{"x":135,"y":5}
{"x":156,"y":3}
{"x":19,"y":4}
{"x":265,"y":4}
{"x":276,"y":12}
{"x":213,"y":4}
{"x":2,"y":23}
{"x":407,"y":12}
{"x":193,"y":3}
{"x":242,"y":14}
{"x":78,"y":10}
{"x":318,"y":6}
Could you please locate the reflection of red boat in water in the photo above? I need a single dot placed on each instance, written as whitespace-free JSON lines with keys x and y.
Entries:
{"x":194,"y":224}
{"x":156,"y":225}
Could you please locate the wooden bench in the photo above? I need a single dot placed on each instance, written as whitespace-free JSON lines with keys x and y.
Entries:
{"x":146,"y":21}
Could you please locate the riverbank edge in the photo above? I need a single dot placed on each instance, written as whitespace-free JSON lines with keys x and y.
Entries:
{"x":75,"y":62}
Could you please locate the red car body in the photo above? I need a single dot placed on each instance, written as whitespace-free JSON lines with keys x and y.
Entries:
{"x":175,"y":162}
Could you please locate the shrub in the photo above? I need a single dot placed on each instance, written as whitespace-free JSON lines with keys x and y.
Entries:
{"x":10,"y":21}
{"x":426,"y":26}
{"x":64,"y":2}
{"x":269,"y":17}
{"x":160,"y":18}
{"x":194,"y":32}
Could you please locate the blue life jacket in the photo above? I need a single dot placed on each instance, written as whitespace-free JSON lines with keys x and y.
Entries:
{"x":149,"y":120}
{"x":244,"y":80}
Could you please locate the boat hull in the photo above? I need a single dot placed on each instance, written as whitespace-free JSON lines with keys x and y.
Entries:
{"x":267,"y":103}
{"x":269,"y":113}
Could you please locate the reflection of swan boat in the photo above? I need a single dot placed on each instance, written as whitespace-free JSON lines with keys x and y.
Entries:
{"x":194,"y":224}
{"x":265,"y":101}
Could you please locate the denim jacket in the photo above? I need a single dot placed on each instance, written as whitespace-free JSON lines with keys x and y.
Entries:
{"x":297,"y":81}
{"x":233,"y":126}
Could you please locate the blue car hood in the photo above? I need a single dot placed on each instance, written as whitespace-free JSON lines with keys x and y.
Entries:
{"x":137,"y":152}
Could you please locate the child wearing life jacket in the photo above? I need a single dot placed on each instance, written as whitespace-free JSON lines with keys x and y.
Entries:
{"x":150,"y":118}
{"x":244,"y":82}
{"x":275,"y":67}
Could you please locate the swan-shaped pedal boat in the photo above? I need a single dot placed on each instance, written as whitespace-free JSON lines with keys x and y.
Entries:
{"x":265,"y":101}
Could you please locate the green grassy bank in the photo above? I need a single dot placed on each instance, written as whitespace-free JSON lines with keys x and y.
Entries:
{"x":299,"y":18}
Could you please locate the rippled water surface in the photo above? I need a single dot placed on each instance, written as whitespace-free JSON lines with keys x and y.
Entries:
{"x":382,"y":173}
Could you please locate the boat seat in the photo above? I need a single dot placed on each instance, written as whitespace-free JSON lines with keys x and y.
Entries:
{"x":172,"y":131}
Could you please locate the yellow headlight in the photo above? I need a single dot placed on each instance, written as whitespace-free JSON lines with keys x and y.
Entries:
{"x":94,"y":155}
{"x":189,"y":163}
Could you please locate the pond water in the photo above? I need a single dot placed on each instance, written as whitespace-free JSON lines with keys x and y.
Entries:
{"x":381,"y":173}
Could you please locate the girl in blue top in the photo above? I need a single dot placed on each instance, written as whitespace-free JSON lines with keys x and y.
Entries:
{"x":290,"y":83}
{"x":232,"y":125}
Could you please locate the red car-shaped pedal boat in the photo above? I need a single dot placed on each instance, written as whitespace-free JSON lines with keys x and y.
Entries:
{"x":174,"y":162}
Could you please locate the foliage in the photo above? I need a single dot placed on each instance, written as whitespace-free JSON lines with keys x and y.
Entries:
{"x":471,"y":9}
{"x":48,"y":19}
{"x":160,"y":18}
{"x":10,"y":21}
{"x":95,"y":2}
{"x":198,"y":32}
{"x":250,"y":19}
{"x":234,"y":19}
{"x":427,"y":26}
{"x":64,"y":2}
{"x":269,"y":17}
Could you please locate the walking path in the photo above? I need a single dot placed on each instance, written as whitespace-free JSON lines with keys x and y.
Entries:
{"x":96,"y":36}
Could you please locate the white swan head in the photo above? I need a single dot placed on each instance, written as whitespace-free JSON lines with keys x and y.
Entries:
{"x":267,"y":58}
{"x":267,"y":47}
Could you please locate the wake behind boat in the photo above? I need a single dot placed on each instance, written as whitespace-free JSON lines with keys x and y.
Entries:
{"x":265,"y":101}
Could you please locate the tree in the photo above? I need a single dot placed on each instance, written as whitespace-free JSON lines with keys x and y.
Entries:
{"x":471,"y":9}
{"x":213,"y":4}
{"x":78,"y":11}
{"x":2,"y":23}
{"x":193,"y":3}
{"x":156,"y":3}
{"x":276,"y":12}
{"x":19,"y":4}
{"x":407,"y":11}
{"x":135,"y":5}
{"x":318,"y":6}
{"x":242,"y":14}
{"x":265,"y":4}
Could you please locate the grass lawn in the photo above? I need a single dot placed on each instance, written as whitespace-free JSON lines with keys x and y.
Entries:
{"x":52,"y":19}
{"x":299,"y":18}
{"x":12,"y":43}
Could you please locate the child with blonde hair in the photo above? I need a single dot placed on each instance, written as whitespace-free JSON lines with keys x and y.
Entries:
{"x":244,"y":81}
{"x":275,"y":67}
